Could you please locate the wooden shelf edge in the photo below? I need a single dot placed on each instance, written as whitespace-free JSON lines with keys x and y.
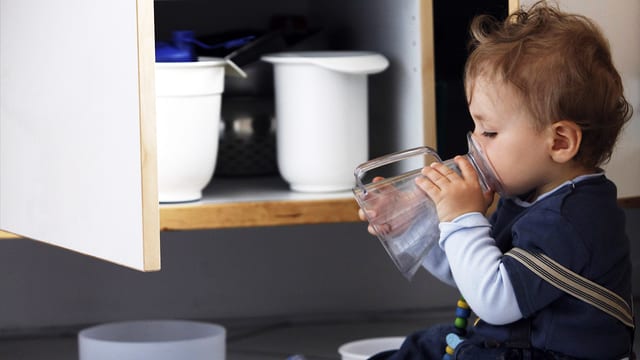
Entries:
{"x":199,"y":216}
{"x":268,"y":213}
{"x":629,"y":202}
{"x":257,"y":213}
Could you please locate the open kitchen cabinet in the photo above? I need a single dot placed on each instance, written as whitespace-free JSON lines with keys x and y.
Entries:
{"x":401,"y":99}
{"x":77,"y":122}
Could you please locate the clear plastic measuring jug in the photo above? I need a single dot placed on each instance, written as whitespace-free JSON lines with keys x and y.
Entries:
{"x":402,"y":215}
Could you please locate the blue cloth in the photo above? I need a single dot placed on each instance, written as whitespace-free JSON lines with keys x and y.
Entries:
{"x":429,"y":344}
{"x":581,"y":227}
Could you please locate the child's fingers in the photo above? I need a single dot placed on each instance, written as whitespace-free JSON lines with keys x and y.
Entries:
{"x":467,"y":170}
{"x":380,"y":229}
{"x":434,"y":177}
{"x":366,"y":216}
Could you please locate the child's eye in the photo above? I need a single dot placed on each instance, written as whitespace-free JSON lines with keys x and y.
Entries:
{"x":489,"y":134}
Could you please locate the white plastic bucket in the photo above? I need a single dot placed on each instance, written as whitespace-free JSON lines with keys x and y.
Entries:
{"x":188,"y":96}
{"x":322,"y":116}
{"x":153,"y":340}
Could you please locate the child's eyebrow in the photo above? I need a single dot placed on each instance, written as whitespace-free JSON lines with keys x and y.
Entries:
{"x":477,"y":117}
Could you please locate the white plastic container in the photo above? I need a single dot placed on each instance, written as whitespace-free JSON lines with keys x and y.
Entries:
{"x":364,"y":349}
{"x":153,"y":340}
{"x":322,"y":116}
{"x":188,"y":96}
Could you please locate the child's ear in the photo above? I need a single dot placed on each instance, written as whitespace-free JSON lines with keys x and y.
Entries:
{"x":566,"y":139}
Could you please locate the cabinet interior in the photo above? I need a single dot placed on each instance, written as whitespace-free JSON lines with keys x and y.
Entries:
{"x":386,"y":26}
{"x":398,"y":118}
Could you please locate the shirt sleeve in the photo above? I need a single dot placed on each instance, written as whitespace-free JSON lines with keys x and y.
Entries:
{"x":476,"y":266}
{"x":437,"y":264}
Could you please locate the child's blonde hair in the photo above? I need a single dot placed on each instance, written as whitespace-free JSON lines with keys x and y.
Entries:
{"x":561,"y":65}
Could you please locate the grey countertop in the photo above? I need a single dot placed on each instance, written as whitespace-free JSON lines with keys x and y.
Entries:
{"x":315,"y":339}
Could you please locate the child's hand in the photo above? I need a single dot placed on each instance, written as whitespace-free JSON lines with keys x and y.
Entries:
{"x":372,"y":213}
{"x":389,"y":209}
{"x":453,"y":194}
{"x":363,"y":217}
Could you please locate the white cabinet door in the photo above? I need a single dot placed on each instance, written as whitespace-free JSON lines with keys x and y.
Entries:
{"x":77,"y":127}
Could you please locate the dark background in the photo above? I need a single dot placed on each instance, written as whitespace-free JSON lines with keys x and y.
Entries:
{"x":451,"y":33}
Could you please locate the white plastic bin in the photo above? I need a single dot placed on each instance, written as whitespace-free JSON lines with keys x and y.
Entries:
{"x":188,"y":96}
{"x":153,"y":340}
{"x":322,"y":116}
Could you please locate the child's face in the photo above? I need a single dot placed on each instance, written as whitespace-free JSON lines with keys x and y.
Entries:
{"x":517,"y":151}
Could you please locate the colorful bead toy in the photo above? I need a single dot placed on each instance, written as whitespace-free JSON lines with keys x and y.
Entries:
{"x":463,"y":311}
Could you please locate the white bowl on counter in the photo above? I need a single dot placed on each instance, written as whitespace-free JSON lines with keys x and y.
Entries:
{"x":365,"y":348}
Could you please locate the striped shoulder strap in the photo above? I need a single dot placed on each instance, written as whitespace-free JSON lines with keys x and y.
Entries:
{"x":575,"y":285}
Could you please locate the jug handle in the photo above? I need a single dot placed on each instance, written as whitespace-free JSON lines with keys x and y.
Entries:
{"x":388,"y":159}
